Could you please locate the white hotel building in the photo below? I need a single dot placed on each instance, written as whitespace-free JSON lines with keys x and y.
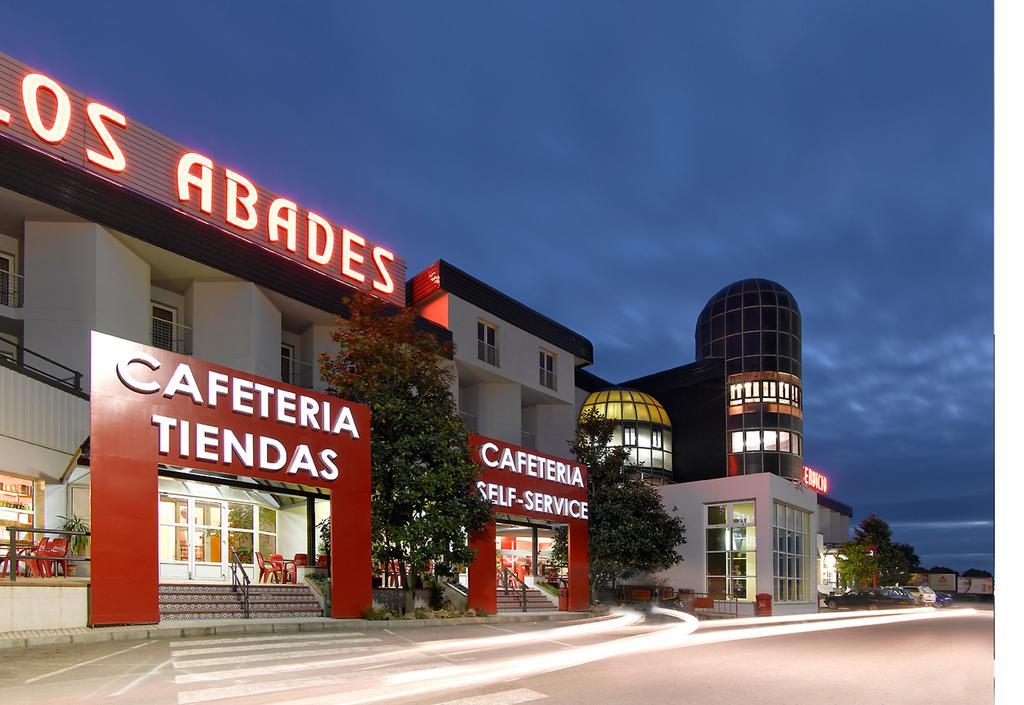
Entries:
{"x":81,"y":251}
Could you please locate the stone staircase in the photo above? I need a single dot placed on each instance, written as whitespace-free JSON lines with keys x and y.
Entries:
{"x":213,"y":601}
{"x":536,"y":601}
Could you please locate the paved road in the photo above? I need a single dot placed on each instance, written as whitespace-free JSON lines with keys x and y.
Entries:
{"x":916,"y":656}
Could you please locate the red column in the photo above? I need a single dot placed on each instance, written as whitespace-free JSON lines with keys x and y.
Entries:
{"x":124,"y":566}
{"x":579,"y":567}
{"x":351,"y":567}
{"x":483,"y":571}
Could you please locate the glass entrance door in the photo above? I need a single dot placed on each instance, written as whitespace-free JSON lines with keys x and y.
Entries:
{"x":193,"y":538}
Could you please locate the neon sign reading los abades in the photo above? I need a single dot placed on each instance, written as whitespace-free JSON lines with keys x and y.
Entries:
{"x":38,"y":111}
{"x":815,"y":480}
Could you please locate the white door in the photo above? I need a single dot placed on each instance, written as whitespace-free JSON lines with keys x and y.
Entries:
{"x":193,"y":539}
{"x":209,"y":539}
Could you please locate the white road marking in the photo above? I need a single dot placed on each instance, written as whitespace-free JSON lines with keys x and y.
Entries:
{"x":267,"y":647}
{"x":141,"y":678}
{"x":512,"y":631}
{"x":262,"y":658}
{"x":86,"y":663}
{"x":265,"y":637}
{"x":236,"y":673}
{"x":507,"y":697}
{"x":303,"y":684}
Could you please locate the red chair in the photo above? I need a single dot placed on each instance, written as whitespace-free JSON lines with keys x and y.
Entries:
{"x":269,"y":572}
{"x":291,"y":568}
{"x":277,"y":560}
{"x":57,"y":555}
{"x":36,"y":566}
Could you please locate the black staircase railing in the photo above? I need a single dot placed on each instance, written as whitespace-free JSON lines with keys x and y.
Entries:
{"x":513,"y":584}
{"x":240,"y":585}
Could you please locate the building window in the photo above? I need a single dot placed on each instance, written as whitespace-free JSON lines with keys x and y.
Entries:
{"x":791,"y":555}
{"x":629,"y":435}
{"x":164,"y":319}
{"x":753,"y":441}
{"x":287,"y":358}
{"x":764,"y":391}
{"x":487,"y":343}
{"x":10,"y":293}
{"x":730,"y":561}
{"x":547,"y":370}
{"x":657,"y":440}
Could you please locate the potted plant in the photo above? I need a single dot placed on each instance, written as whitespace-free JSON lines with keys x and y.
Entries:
{"x":76,"y":544}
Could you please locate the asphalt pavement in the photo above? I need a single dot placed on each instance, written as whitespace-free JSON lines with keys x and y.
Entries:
{"x":902,"y":657}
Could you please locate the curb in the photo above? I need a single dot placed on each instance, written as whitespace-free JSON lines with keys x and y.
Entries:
{"x":88,"y":635}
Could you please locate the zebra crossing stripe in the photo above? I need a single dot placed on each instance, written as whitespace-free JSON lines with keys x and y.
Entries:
{"x":262,"y":658}
{"x":265,"y":637}
{"x":267,"y":647}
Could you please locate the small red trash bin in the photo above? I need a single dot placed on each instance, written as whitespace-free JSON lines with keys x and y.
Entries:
{"x":563,"y":599}
{"x":763,"y":605}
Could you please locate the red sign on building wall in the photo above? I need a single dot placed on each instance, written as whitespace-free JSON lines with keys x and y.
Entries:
{"x":815,"y":480}
{"x":150,"y":406}
{"x":521,"y":482}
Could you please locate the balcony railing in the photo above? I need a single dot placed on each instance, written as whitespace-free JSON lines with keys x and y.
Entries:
{"x":548,"y":379}
{"x":487,"y":353}
{"x":12,"y":289}
{"x":469,"y":420}
{"x":40,"y":367}
{"x":172,"y":336}
{"x":295,"y":372}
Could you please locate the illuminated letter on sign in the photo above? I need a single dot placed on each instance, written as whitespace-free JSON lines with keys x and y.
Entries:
{"x":318,"y":225}
{"x":246,"y":201}
{"x":114,"y":160}
{"x":203,"y":182}
{"x":30,"y":88}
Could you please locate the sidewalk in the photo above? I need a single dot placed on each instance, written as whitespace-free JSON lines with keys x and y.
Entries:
{"x":177,"y":629}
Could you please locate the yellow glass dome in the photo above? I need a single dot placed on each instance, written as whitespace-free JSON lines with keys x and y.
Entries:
{"x":627,"y":405}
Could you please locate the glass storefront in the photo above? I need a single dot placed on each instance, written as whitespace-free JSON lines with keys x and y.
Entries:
{"x":731,"y":550}
{"x":791,"y":554}
{"x":198,"y":533}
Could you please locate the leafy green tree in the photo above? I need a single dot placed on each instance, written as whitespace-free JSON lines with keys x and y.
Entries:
{"x":424,"y":501}
{"x":894,"y":561}
{"x":856,"y":565}
{"x":630,"y":531}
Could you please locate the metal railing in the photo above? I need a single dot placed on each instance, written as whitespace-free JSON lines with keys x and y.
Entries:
{"x":13,"y":554}
{"x":517,"y":585}
{"x":12,"y":289}
{"x":528,"y":439}
{"x":295,"y":372}
{"x":172,"y":336}
{"x":240,"y":585}
{"x":26,"y":360}
{"x":548,"y":379}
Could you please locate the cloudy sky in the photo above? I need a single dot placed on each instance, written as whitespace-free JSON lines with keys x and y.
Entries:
{"x":614,"y":164}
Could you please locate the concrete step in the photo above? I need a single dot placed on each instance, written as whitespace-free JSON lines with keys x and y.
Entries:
{"x":200,"y":601}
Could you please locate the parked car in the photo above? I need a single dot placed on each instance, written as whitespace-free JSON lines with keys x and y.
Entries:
{"x":943,"y":599}
{"x":871,"y":599}
{"x":922,"y":594}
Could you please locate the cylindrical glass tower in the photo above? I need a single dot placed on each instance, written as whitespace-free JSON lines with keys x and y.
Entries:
{"x":755,"y":325}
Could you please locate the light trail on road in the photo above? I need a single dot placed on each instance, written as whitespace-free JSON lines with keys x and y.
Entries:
{"x":398,"y":680}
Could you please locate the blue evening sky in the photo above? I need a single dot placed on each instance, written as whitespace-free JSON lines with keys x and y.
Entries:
{"x":614,"y":164}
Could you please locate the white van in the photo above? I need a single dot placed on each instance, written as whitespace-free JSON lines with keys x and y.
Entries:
{"x":922,"y":594}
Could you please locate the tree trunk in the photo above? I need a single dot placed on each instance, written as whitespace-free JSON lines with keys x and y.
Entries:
{"x":408,"y":587}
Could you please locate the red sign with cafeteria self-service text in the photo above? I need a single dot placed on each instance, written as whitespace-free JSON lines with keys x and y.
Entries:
{"x":150,"y":406}
{"x":522,"y":482}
